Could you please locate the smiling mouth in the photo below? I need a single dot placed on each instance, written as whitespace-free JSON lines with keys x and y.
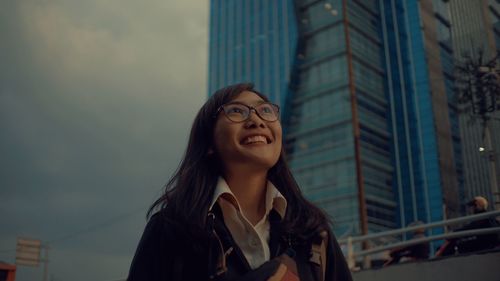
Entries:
{"x":256,"y":139}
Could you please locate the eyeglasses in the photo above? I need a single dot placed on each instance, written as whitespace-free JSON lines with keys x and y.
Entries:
{"x":239,"y":112}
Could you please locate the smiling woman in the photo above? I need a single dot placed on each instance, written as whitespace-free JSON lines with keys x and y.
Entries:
{"x":233,"y":210}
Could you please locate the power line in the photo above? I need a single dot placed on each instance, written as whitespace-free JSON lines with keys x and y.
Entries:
{"x":90,"y":228}
{"x":7,"y":251}
{"x":98,"y":226}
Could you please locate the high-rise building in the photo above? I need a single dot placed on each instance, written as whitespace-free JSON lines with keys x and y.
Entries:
{"x":426,"y":133}
{"x":252,"y":41}
{"x":475,"y":29}
{"x":494,"y":17}
{"x":371,"y":133}
{"x":339,"y":138}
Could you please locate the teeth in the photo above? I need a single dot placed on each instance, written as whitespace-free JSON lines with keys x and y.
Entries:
{"x":255,"y":139}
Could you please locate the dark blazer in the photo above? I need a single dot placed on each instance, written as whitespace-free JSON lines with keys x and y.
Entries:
{"x":167,"y":252}
{"x":478,"y":242}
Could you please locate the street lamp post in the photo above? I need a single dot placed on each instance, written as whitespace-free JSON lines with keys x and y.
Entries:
{"x":479,"y":90}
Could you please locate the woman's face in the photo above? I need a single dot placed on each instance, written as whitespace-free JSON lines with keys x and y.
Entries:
{"x":255,"y":143}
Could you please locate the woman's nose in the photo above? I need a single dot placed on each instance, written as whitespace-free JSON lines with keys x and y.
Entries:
{"x":254,"y":120}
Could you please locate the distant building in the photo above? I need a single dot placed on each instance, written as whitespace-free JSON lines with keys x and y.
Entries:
{"x":476,"y":26}
{"x":370,"y":129}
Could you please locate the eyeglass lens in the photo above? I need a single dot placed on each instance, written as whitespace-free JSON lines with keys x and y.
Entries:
{"x":240,"y":112}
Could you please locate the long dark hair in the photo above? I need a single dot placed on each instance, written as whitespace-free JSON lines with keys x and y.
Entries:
{"x":189,"y":192}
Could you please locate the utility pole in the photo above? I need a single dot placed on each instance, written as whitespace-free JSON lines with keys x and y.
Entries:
{"x":478,"y":88}
{"x":46,"y":263}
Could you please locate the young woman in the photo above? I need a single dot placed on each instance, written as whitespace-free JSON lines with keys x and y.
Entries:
{"x":232,"y":210}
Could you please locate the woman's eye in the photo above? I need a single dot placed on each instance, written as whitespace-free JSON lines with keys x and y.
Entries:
{"x":235,"y":110}
{"x":266,"y":109}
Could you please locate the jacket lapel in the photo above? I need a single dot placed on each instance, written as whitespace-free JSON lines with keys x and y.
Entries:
{"x":275,"y":235}
{"x":234,"y":256}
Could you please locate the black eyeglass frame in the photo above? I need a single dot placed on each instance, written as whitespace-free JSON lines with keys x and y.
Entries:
{"x":250,"y":108}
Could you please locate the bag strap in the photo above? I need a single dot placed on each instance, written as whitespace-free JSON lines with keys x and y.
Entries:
{"x":318,"y":252}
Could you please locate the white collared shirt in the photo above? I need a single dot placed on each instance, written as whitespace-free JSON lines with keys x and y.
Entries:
{"x":252,"y":240}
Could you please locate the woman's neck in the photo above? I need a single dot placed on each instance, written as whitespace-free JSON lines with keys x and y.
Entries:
{"x":250,"y":191}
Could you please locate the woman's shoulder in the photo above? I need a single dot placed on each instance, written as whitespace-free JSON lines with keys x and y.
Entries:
{"x":171,"y":228}
{"x":163,"y":224}
{"x":161,"y":235}
{"x":158,"y":232}
{"x":162,"y":243}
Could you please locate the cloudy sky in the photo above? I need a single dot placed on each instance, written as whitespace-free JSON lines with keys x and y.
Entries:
{"x":96,"y":101}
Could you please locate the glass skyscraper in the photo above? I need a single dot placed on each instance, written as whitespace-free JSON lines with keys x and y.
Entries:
{"x":427,"y":153}
{"x":252,"y":41}
{"x":370,"y":131}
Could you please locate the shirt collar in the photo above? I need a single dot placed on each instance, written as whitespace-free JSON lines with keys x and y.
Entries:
{"x":274,"y":198}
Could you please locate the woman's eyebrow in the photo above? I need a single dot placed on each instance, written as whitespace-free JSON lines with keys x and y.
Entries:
{"x":248,"y":104}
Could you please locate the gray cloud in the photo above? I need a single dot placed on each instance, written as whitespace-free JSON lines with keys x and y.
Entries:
{"x":96,"y":101}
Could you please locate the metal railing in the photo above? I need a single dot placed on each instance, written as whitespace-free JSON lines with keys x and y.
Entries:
{"x":352,"y":255}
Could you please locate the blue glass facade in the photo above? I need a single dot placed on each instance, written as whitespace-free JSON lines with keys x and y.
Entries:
{"x":252,"y":40}
{"x":494,"y":15}
{"x":362,"y":134}
{"x":425,"y":183}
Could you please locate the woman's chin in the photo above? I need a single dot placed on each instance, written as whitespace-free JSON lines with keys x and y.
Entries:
{"x":264,"y":163}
